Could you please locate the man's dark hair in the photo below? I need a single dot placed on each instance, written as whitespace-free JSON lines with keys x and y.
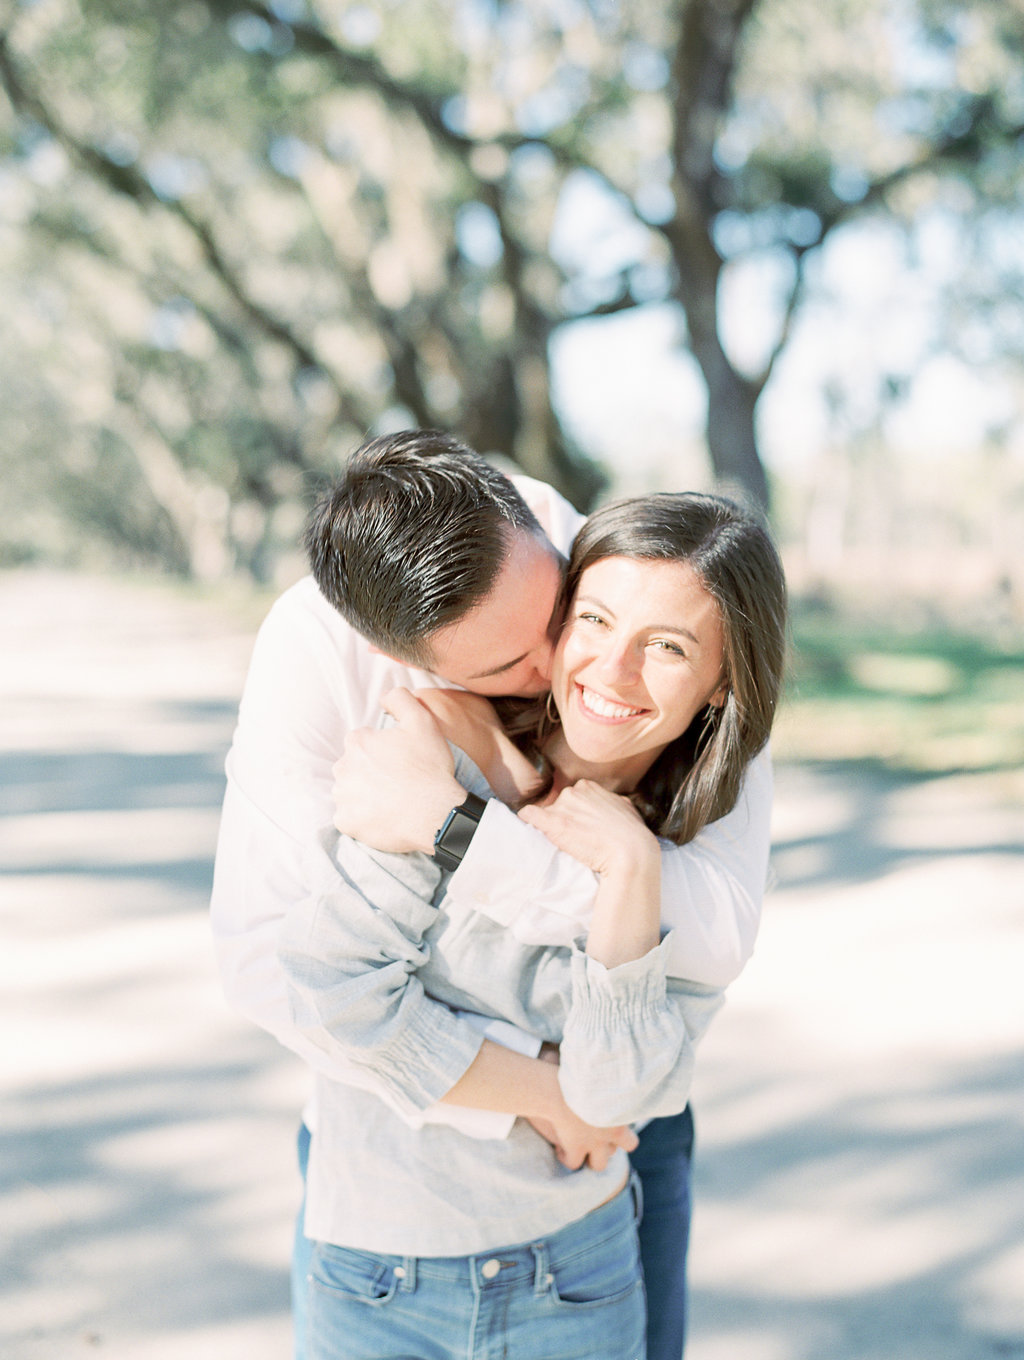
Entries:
{"x":412,"y":537}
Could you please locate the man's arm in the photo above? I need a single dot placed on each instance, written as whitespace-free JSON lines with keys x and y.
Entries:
{"x":311,"y":680}
{"x":711,"y":888}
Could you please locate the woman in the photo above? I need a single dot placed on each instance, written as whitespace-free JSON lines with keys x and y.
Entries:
{"x":665,"y":685}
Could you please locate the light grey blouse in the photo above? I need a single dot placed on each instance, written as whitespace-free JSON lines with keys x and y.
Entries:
{"x":374,"y":968}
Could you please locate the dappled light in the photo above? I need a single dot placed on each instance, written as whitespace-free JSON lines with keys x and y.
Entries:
{"x":859,"y":1124}
{"x":770,"y":248}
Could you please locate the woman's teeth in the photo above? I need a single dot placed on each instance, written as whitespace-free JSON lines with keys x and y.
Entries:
{"x":604,"y":708}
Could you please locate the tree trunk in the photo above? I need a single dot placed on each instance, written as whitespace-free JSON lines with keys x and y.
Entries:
{"x":731,"y":428}
{"x":704,"y":60}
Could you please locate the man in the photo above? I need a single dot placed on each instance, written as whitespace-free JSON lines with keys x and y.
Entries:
{"x":439,"y":562}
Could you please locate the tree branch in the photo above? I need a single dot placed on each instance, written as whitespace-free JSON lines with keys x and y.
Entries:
{"x":130,"y":183}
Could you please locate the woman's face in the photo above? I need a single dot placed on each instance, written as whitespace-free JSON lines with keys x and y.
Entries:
{"x":639,"y":657}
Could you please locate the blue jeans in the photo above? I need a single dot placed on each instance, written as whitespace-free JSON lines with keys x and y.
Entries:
{"x":575,"y":1295}
{"x":662,"y":1162}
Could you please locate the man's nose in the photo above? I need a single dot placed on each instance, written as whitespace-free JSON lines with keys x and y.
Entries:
{"x":543,"y":661}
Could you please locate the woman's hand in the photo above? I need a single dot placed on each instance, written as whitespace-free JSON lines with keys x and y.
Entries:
{"x":394,"y":786}
{"x":470,"y":722}
{"x":502,"y":1079}
{"x":603,"y":830}
{"x":576,"y":1143}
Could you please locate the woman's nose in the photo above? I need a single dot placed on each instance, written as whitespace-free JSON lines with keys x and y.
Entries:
{"x":618,"y":663}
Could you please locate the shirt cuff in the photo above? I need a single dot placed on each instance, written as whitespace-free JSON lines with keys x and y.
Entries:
{"x":629,"y":987}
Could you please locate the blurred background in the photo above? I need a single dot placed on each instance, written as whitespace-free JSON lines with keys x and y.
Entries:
{"x":773,"y":247}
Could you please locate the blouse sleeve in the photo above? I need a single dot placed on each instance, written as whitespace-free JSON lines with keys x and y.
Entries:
{"x":627,"y":1053}
{"x":350,"y":953}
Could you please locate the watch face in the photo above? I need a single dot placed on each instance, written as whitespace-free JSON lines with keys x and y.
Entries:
{"x":452,"y":841}
{"x":457,"y":833}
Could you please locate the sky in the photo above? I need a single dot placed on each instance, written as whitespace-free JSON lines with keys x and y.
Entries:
{"x":634,"y":397}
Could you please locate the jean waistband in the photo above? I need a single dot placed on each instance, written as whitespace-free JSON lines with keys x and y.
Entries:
{"x":528,"y":1262}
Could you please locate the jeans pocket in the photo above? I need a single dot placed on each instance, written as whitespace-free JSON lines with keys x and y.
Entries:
{"x":605,"y":1274}
{"x":356,"y":1275}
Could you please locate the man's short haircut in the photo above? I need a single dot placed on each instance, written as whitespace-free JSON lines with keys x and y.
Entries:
{"x":412,"y":537}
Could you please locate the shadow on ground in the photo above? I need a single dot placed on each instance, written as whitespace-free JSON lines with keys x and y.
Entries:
{"x":859,"y":1187}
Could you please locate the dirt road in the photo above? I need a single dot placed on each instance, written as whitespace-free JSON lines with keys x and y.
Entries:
{"x":860,"y":1186}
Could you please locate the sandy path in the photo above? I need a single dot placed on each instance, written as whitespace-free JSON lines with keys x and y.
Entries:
{"x":860,"y":1111}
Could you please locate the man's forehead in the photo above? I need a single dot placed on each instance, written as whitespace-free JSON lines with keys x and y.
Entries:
{"x":516,"y":616}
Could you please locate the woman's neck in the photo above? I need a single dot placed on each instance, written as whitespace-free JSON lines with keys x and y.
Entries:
{"x":618,"y":777}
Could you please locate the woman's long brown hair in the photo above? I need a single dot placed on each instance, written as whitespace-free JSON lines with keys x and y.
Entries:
{"x":697,"y":779}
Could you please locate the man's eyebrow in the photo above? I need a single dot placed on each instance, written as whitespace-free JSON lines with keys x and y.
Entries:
{"x":556,"y":610}
{"x":509,"y":665}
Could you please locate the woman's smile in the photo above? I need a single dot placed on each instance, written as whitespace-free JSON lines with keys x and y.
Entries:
{"x":599,"y":708}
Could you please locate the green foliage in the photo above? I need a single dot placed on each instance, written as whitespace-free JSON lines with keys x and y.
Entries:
{"x":238,"y":237}
{"x":924,"y":700}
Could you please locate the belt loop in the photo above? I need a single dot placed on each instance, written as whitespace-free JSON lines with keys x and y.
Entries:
{"x":541,"y":1272}
{"x":407,"y":1274}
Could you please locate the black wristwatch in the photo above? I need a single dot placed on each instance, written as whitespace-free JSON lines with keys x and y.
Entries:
{"x":452,"y":841}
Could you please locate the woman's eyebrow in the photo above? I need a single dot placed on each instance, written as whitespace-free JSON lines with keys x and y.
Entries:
{"x":659,"y":627}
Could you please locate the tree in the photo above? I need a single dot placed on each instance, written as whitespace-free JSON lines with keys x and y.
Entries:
{"x":272,"y":227}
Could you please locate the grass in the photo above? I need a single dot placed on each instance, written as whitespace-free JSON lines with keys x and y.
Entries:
{"x":928,"y":701}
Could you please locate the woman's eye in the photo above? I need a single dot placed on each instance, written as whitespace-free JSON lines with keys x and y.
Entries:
{"x":590,"y":618}
{"x":672,"y":648}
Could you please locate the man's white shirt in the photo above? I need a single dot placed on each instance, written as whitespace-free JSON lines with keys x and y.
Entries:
{"x":312,"y":680}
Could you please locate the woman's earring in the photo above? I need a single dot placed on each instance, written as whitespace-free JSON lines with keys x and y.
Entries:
{"x":550,"y":710}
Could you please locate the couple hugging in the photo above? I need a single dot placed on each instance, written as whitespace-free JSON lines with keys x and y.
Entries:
{"x":546,"y":844}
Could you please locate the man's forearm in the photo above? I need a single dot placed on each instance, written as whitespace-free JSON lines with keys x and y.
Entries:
{"x":500,"y":1079}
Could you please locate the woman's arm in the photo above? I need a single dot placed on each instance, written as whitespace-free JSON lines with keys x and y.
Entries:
{"x":711,"y":888}
{"x":606,"y":833}
{"x":499,"y":1079}
{"x":627,"y":1051}
{"x":351,"y":953}
{"x":470,"y":722}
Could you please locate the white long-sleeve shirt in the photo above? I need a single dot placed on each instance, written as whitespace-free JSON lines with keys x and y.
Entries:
{"x":312,"y":680}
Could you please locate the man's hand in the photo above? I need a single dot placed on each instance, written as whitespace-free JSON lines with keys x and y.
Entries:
{"x":574,"y":1141}
{"x":394,"y":787}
